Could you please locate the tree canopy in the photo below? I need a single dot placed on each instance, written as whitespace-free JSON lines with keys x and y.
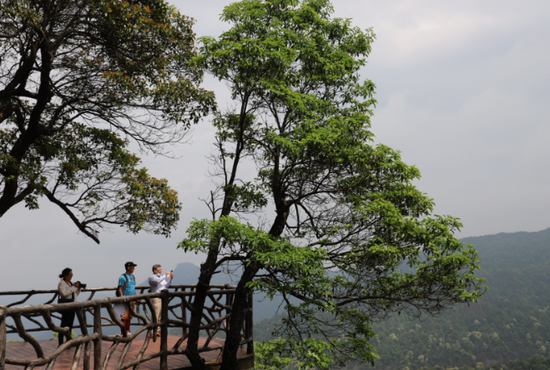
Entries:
{"x":327,"y":217}
{"x":79,"y":82}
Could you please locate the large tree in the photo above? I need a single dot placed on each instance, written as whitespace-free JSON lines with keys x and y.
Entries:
{"x":80,"y":80}
{"x":327,"y":217}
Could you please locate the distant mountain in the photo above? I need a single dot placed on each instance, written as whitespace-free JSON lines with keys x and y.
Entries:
{"x":511,"y":321}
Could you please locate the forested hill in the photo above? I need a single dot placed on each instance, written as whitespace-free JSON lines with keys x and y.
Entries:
{"x":511,"y":321}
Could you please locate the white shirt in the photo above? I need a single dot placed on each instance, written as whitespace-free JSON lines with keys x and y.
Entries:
{"x":65,"y":290}
{"x":158,"y":283}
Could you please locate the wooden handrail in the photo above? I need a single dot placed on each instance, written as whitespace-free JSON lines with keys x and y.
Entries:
{"x":93,"y":316}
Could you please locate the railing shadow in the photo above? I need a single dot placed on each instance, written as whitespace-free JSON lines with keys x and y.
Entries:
{"x":98,"y":323}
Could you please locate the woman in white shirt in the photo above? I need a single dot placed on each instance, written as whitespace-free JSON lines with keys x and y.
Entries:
{"x":67,"y":293}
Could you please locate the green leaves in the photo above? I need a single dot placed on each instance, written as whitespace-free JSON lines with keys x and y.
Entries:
{"x":317,"y":351}
{"x":281,"y":353}
{"x":80,"y":81}
{"x":246,"y":238}
{"x":149,"y":201}
{"x":338,"y":229}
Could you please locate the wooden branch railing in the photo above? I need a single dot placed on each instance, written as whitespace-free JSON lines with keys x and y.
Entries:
{"x":95,"y":318}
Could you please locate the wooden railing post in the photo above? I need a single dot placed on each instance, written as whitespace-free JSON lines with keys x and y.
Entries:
{"x":98,"y":341}
{"x":164,"y":331}
{"x":3,"y":337}
{"x":184,"y":312}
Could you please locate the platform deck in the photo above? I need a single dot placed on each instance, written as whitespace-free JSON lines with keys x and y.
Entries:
{"x":22,"y":350}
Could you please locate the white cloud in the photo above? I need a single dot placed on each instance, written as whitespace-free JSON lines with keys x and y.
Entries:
{"x":488,"y":157}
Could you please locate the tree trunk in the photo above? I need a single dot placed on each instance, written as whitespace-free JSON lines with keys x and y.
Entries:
{"x":207,"y":269}
{"x":238,"y":315}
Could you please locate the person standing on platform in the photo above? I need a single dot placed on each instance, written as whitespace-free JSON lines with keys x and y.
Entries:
{"x":158,"y":282}
{"x":127,"y":287}
{"x":67,"y":294}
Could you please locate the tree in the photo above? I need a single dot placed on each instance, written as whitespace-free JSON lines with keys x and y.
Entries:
{"x":327,"y":218}
{"x":79,"y":82}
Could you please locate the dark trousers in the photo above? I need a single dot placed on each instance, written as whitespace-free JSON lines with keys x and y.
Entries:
{"x":67,"y":319}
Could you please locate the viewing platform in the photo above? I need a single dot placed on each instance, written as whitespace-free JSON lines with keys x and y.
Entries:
{"x":27,"y":331}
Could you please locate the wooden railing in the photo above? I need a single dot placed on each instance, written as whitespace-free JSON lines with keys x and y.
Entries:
{"x":94,"y":317}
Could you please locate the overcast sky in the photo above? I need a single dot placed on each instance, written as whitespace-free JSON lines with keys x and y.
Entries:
{"x":463,"y":90}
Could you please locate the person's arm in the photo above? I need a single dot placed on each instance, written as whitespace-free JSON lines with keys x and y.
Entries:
{"x":78,"y":288}
{"x":169,"y":279}
{"x":155,"y":279}
{"x":65,"y":290}
{"x":165,"y":282}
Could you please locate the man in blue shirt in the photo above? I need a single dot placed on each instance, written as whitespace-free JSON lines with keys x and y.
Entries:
{"x":126,"y":287}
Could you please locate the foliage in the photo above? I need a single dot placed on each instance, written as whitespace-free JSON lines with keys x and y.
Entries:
{"x":80,"y":81}
{"x":308,"y":354}
{"x":328,"y":217}
{"x":509,"y":323}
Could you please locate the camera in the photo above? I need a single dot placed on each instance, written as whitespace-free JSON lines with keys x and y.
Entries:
{"x":82,"y":285}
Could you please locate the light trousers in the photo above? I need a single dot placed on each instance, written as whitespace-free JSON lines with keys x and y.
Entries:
{"x":157,"y":309}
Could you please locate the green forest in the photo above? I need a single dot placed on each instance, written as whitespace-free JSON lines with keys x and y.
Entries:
{"x":509,"y":323}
